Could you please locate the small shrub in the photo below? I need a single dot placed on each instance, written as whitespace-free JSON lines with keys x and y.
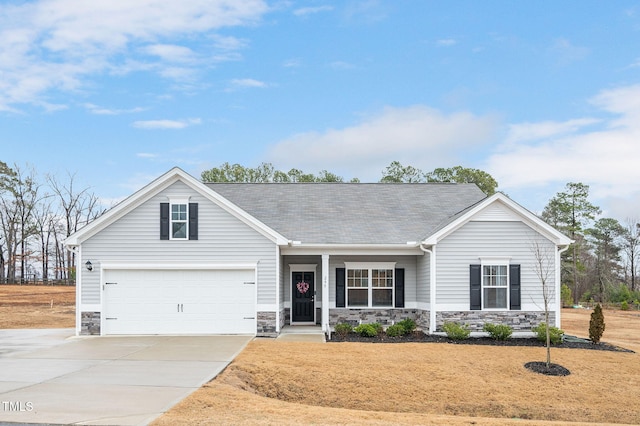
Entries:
{"x":378,"y":327}
{"x":565,"y":295}
{"x":343,"y":329}
{"x":624,"y":305}
{"x":596,"y":324}
{"x":555,"y":334}
{"x":456,"y":331}
{"x":408,"y":325}
{"x":395,"y":330}
{"x":368,"y":330}
{"x":498,"y":331}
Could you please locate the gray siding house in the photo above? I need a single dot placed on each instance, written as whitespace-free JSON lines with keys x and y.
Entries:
{"x":184,"y":257}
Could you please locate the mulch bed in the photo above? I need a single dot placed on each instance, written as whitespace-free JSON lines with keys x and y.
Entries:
{"x":419,"y":337}
{"x":552,"y":370}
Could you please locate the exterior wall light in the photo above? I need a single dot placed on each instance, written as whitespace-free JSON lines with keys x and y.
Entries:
{"x":89,"y":265}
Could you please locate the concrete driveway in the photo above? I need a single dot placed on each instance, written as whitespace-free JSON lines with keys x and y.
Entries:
{"x":46,"y":376}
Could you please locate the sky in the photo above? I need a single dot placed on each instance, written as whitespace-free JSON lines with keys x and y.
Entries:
{"x":116,"y":93}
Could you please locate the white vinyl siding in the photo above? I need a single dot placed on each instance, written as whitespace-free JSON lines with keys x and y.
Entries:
{"x":222,"y":238}
{"x":423,"y":275}
{"x":511,"y":240}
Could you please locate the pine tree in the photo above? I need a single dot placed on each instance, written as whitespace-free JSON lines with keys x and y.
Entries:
{"x":596,"y":324}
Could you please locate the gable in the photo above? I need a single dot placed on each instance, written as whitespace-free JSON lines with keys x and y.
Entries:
{"x":498,"y":208}
{"x":496,"y":213}
{"x":156,"y":188}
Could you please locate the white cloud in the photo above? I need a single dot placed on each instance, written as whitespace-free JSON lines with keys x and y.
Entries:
{"x":171,"y":52}
{"x":146,"y":155}
{"x":51,"y":45}
{"x":416,"y":135}
{"x":98,"y":110}
{"x":166,"y":124}
{"x":603,"y":156}
{"x":532,"y":131}
{"x":248,"y":83}
{"x":447,"y":42}
{"x":292,"y":63}
{"x":304,"y":11}
{"x":341,"y":65}
{"x":567,"y":53}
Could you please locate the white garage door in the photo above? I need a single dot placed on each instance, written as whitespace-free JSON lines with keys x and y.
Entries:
{"x":179,"y":302}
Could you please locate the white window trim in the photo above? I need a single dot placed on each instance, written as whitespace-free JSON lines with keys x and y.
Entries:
{"x":178,"y":201}
{"x":495,"y":261}
{"x":369,"y":266}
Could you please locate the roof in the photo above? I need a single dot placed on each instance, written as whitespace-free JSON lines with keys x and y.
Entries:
{"x":352,"y":213}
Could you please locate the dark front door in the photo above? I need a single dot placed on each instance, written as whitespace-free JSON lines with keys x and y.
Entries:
{"x":303,"y":291}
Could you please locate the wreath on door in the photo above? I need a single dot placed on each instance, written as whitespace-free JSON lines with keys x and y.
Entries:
{"x":303,"y":287}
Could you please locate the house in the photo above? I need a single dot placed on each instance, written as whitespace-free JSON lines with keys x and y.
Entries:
{"x":184,"y":257}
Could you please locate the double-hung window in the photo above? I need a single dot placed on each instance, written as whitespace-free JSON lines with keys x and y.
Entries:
{"x":179,"y":221}
{"x":370,"y":285}
{"x":495,"y":286}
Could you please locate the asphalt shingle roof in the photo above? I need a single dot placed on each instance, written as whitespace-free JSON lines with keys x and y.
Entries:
{"x":352,"y":213}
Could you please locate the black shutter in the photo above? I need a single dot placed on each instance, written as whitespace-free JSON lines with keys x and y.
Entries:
{"x":164,"y":221}
{"x":514,"y":287}
{"x":399,"y":288}
{"x":475,"y":279}
{"x":340,"y":287}
{"x":193,"y":221}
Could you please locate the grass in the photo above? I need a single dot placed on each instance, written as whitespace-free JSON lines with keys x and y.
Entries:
{"x":29,"y":306}
{"x":275,"y":382}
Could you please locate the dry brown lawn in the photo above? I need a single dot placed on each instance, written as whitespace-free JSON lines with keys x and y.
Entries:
{"x":274,"y":382}
{"x":30,"y":306}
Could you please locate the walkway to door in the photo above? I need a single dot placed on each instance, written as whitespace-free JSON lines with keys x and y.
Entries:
{"x":302,"y":333}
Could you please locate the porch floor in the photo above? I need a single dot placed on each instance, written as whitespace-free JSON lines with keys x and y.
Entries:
{"x":302,"y":333}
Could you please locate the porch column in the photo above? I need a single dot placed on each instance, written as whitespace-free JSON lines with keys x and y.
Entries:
{"x":325,"y":294}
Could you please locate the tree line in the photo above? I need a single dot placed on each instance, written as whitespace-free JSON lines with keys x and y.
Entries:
{"x":393,"y":173}
{"x":37,"y":213}
{"x":602,"y":264}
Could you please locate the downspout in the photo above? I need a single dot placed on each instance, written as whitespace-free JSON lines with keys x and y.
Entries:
{"x":278,"y":281}
{"x":326,"y":327}
{"x":559,"y":284}
{"x":432,"y":285}
{"x":76,"y":250}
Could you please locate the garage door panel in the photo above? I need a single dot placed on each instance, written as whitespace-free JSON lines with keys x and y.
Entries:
{"x":179,"y":302}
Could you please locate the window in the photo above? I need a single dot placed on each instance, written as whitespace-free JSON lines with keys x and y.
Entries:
{"x":495,"y":286}
{"x":179,"y":221}
{"x":370,"y":285}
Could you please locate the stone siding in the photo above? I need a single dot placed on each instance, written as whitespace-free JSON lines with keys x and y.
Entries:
{"x":89,"y":323}
{"x":266,"y":326}
{"x":518,"y":320}
{"x":284,"y":317}
{"x":383,"y":316}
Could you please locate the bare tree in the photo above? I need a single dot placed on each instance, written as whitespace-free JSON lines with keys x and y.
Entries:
{"x":17,"y":208}
{"x":78,"y":207}
{"x":631,"y":247}
{"x":544,"y":268}
{"x":45,"y":223}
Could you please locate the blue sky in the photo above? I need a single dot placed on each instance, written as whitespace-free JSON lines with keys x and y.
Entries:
{"x":538,"y":94}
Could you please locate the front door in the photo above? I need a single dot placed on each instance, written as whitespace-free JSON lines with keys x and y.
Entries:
{"x":302,"y":303}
